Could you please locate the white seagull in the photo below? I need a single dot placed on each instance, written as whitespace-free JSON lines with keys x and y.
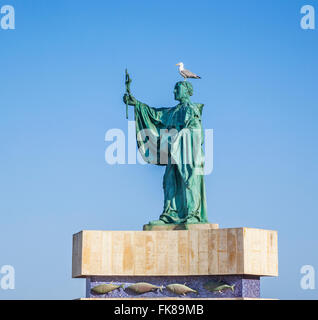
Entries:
{"x":186,"y":73}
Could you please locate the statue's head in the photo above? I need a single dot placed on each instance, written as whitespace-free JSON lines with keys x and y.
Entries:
{"x":182,"y":90}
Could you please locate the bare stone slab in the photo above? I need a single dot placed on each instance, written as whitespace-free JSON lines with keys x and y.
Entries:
{"x":232,"y":251}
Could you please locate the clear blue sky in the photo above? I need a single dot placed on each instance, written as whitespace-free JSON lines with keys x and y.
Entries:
{"x":61,"y":86}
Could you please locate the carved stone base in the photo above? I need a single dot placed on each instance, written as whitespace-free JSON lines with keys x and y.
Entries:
{"x":244,"y":286}
{"x":171,"y":298}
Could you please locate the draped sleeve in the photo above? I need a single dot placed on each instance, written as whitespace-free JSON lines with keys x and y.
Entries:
{"x":149,"y":122}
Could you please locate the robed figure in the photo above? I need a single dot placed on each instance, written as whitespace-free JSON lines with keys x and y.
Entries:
{"x":173,"y":137}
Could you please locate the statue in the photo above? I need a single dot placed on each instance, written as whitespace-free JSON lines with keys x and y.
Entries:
{"x":173,"y":137}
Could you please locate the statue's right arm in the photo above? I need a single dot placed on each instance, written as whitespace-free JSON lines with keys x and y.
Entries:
{"x":156,"y":114}
{"x":129,"y":99}
{"x":132,"y":101}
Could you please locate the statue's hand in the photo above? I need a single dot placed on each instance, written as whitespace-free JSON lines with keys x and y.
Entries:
{"x":129,"y":99}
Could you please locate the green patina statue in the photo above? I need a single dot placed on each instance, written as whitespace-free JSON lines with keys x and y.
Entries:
{"x":173,"y":137}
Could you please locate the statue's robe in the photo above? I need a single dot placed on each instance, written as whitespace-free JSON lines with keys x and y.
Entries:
{"x":173,"y":137}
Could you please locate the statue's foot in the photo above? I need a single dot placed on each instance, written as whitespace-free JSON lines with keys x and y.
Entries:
{"x":157,"y":222}
{"x":192,"y":220}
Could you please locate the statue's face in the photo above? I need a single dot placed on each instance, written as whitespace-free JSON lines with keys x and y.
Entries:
{"x":180,"y":92}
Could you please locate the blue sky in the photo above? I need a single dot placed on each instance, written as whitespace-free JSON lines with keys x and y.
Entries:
{"x":61,"y":86}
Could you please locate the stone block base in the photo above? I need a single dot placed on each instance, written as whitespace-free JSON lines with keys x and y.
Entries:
{"x":233,"y":251}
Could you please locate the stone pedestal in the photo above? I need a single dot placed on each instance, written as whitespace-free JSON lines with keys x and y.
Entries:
{"x":238,"y":256}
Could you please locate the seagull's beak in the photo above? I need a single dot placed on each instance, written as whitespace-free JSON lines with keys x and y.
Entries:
{"x":177,"y":64}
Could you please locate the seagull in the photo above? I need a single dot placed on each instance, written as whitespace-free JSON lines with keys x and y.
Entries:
{"x":186,"y":73}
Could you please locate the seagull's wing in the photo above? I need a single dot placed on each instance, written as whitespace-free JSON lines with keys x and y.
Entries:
{"x":188,"y":74}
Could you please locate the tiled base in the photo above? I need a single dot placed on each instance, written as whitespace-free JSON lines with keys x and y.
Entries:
{"x":245,"y":286}
{"x":169,"y":298}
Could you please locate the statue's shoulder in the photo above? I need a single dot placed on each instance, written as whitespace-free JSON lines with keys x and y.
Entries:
{"x":199,"y":106}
